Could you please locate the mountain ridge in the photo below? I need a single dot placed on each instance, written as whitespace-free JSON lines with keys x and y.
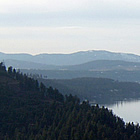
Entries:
{"x":71,"y":59}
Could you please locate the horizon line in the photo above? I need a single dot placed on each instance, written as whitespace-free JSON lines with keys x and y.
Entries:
{"x":62,"y":53}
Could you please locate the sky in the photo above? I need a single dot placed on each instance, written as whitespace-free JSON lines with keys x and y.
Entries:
{"x":67,"y":26}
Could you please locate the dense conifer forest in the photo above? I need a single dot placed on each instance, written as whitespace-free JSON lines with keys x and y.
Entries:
{"x":30,"y":111}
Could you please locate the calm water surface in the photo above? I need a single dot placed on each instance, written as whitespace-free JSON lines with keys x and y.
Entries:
{"x":128,"y":110}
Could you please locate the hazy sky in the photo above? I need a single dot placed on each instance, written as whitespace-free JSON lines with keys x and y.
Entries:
{"x":65,"y":26}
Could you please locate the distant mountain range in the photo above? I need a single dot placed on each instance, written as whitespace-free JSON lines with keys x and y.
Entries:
{"x":50,"y":61}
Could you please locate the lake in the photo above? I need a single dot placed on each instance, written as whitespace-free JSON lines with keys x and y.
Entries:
{"x":128,"y":110}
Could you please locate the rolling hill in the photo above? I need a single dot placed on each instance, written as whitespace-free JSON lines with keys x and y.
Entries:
{"x":105,"y":65}
{"x":120,"y":75}
{"x":98,"y":90}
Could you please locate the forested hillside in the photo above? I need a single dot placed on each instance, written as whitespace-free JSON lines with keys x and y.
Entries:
{"x":98,"y":90}
{"x":30,"y":111}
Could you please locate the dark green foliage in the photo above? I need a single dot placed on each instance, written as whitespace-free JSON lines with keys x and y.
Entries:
{"x":29,"y":110}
